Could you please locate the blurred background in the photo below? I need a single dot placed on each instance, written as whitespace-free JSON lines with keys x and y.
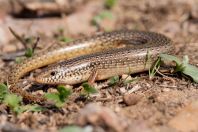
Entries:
{"x":177,"y":19}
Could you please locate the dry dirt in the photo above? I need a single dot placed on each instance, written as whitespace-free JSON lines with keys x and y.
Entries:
{"x":158,"y":105}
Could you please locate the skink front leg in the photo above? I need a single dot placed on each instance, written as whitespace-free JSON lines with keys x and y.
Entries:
{"x":92,"y":78}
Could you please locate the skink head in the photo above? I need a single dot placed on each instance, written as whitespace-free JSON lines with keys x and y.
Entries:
{"x":60,"y":75}
{"x":50,"y":76}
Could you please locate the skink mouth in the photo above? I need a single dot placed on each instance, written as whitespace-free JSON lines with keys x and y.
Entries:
{"x":41,"y":80}
{"x":36,"y":80}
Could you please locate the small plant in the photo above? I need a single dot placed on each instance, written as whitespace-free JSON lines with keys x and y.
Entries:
{"x":14,"y":102}
{"x":65,"y":39}
{"x":60,"y":36}
{"x":29,"y":52}
{"x":113,"y":80}
{"x":29,"y":43}
{"x":3,"y":91}
{"x":60,"y":97}
{"x":153,"y":70}
{"x":19,"y":59}
{"x":32,"y":42}
{"x":102,"y":15}
{"x":130,"y":81}
{"x":88,"y":89}
{"x":75,"y":129}
{"x":110,"y":3}
{"x":183,"y":66}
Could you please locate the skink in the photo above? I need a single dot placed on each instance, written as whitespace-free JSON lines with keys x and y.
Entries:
{"x":132,"y":58}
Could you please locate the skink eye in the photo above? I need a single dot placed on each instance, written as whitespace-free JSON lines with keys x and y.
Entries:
{"x":52,"y":73}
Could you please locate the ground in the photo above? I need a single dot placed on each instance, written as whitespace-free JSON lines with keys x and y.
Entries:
{"x":158,"y":104}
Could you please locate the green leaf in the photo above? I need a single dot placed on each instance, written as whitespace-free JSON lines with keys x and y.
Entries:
{"x":96,"y":20}
{"x":65,"y":39}
{"x":113,"y":80}
{"x":185,"y":60}
{"x":3,"y":91}
{"x":153,"y":70}
{"x":170,"y":58}
{"x":56,"y":98}
{"x":110,"y":3}
{"x":34,"y":108}
{"x":102,"y":15}
{"x":179,"y":66}
{"x":63,"y":92}
{"x":71,"y":129}
{"x":13,"y":101}
{"x":20,"y":109}
{"x":60,"y":97}
{"x":89,"y":89}
{"x":130,"y":81}
{"x":19,"y":59}
{"x":29,"y":52}
{"x":106,"y":14}
{"x":191,"y":71}
{"x":183,"y":66}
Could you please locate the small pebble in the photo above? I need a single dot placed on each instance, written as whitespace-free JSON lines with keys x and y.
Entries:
{"x":131,"y":99}
{"x":122,"y":90}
